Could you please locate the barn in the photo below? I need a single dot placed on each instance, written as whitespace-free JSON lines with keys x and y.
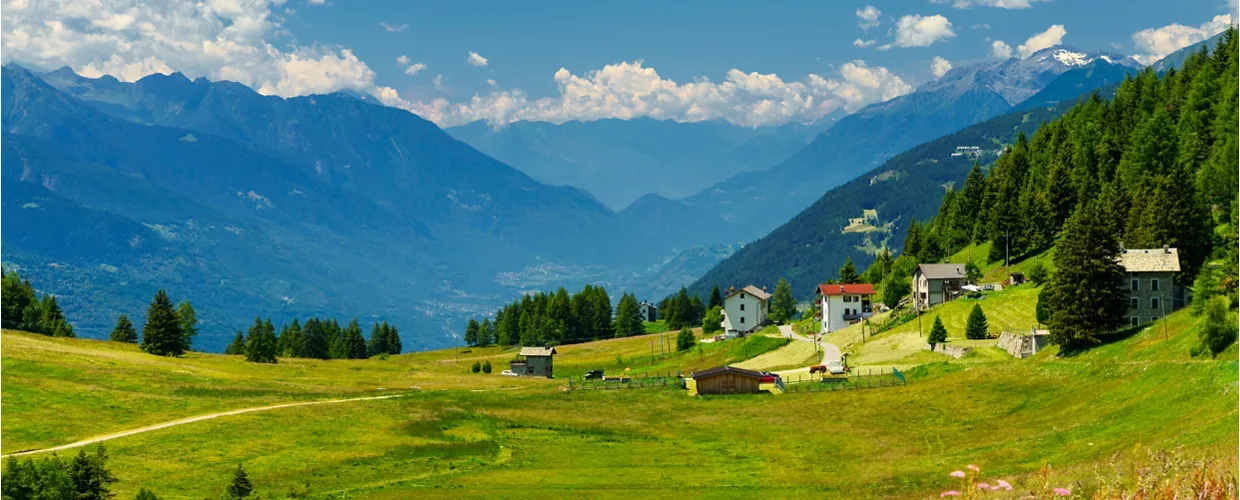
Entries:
{"x":726,"y":380}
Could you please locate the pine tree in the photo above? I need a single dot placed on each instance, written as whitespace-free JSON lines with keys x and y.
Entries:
{"x":145,"y":494}
{"x":848,"y":273}
{"x":378,"y":340}
{"x":783,"y":303}
{"x":716,"y":298}
{"x":15,"y":297}
{"x":314,"y":340}
{"x":161,"y":335}
{"x":486,"y":332}
{"x":237,"y":346}
{"x":1086,"y":296}
{"x":240,"y":486}
{"x":976,"y":328}
{"x":471,"y":332}
{"x":509,"y":332}
{"x":393,"y":339}
{"x":291,"y":340}
{"x":697,"y":310}
{"x":124,"y":330}
{"x":188,"y":320}
{"x":628,"y":316}
{"x":90,"y":476}
{"x":938,"y":333}
{"x":895,"y":289}
{"x":260,"y":346}
{"x":601,"y":306}
{"x":52,"y":317}
{"x":355,"y":344}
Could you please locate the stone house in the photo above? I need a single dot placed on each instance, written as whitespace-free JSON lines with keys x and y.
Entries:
{"x":1152,"y":292}
{"x":745,"y":310}
{"x":649,"y":312}
{"x":533,"y":361}
{"x":935,"y":284}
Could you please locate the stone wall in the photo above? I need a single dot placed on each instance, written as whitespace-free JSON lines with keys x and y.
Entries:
{"x":1023,"y":345}
{"x":954,"y":351}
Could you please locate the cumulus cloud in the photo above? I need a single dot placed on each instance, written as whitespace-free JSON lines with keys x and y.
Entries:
{"x":1002,"y":4}
{"x":862,"y":43}
{"x":402,"y":60}
{"x":1000,"y":49}
{"x":1157,"y":43}
{"x":393,"y":29}
{"x":415,"y":68}
{"x":476,"y":60}
{"x":218,"y":39}
{"x":1051,"y":37}
{"x":868,"y":17}
{"x":920,"y":31}
{"x":630,"y":90}
{"x":439,"y":83}
{"x":940,"y":66}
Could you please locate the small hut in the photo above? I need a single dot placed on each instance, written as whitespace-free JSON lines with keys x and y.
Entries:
{"x":533,"y":361}
{"x":727,"y":380}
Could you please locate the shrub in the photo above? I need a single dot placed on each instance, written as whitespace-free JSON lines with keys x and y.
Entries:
{"x":895,"y":288}
{"x":1216,"y":332}
{"x":486,"y":367}
{"x":476,"y":368}
{"x":685,"y":340}
{"x":1037,"y":273}
{"x":713,"y":320}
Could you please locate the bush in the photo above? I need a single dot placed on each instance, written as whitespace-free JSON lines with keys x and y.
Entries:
{"x":476,"y":368}
{"x":1038,"y":274}
{"x":713,"y":320}
{"x":486,"y":367}
{"x":895,"y":288}
{"x":685,"y":340}
{"x":1216,"y":333}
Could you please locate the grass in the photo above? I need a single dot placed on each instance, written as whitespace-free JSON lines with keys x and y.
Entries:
{"x":659,"y":326}
{"x":475,"y":436}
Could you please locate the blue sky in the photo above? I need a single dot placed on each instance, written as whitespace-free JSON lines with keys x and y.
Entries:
{"x":556,"y":60}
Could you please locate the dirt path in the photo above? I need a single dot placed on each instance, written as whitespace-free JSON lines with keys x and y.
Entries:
{"x":188,"y":420}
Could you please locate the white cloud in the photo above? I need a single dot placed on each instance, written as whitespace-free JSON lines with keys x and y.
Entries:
{"x":1157,"y":43}
{"x":920,"y":31}
{"x":862,"y":43}
{"x":1002,"y":4}
{"x":1051,"y":37}
{"x":981,"y":26}
{"x":1000,"y":49}
{"x":402,"y":60}
{"x":393,"y":29}
{"x":439,"y":84}
{"x":218,"y":39}
{"x":415,"y":68}
{"x":630,"y":90}
{"x":940,"y":66}
{"x":868,"y":17}
{"x":476,"y":60}
{"x":317,"y":2}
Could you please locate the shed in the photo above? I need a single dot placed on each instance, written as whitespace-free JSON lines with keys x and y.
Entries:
{"x":727,"y":380}
{"x":533,"y":361}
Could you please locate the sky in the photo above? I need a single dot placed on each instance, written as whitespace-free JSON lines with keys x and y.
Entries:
{"x":457,"y":62}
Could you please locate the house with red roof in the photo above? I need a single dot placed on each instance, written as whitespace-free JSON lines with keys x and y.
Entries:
{"x":843,"y":305}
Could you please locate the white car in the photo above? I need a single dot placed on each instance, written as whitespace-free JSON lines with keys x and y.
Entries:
{"x":835,"y":367}
{"x":508,"y":373}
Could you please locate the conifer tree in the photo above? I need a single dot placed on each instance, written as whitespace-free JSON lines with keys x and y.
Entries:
{"x":486,"y":332}
{"x":783,"y":303}
{"x":90,"y":476}
{"x":52,"y":322}
{"x":314,"y":340}
{"x":848,"y":272}
{"x":291,"y":340}
{"x":15,"y":297}
{"x":976,"y":328}
{"x":161,"y":335}
{"x":628,"y":316}
{"x":240,"y":486}
{"x":260,"y":345}
{"x":471,"y":332}
{"x":124,"y":330}
{"x":378,"y":340}
{"x":355,"y":344}
{"x":938,"y":333}
{"x":188,"y":320}
{"x":1086,"y":296}
{"x":601,"y":306}
{"x":508,"y":333}
{"x":237,"y":346}
{"x":716,"y":298}
{"x":393,"y":339}
{"x":685,"y":340}
{"x":145,"y":494}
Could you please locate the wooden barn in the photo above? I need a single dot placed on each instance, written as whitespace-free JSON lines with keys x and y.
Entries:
{"x":726,"y":380}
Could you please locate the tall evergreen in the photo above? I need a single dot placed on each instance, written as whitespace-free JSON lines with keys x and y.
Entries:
{"x":471,"y":332}
{"x":628,"y":316}
{"x":314,"y":342}
{"x":938,"y":333}
{"x":15,"y":297}
{"x":260,"y":345}
{"x":783,"y":303}
{"x":188,"y":320}
{"x":393,"y":339}
{"x":240,"y":486}
{"x":976,"y":328}
{"x":161,"y":335}
{"x":291,"y":340}
{"x":486,"y":332}
{"x":355,"y":344}
{"x":90,"y":475}
{"x":1086,"y":295}
{"x":848,"y":273}
{"x":237,"y":346}
{"x":716,"y":298}
{"x":124,"y":331}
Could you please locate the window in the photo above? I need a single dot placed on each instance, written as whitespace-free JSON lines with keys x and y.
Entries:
{"x":1133,"y":320}
{"x":1154,"y":284}
{"x":742,"y":307}
{"x":1136,"y":302}
{"x":742,"y":295}
{"x":1154,"y":303}
{"x":742,"y":320}
{"x":1136,"y":285}
{"x":847,"y":298}
{"x":1153,"y":319}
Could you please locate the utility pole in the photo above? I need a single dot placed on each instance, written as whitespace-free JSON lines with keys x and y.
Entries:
{"x":919,"y":322}
{"x":1163,"y":307}
{"x":1007,"y":257}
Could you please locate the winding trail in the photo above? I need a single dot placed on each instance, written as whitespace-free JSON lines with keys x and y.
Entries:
{"x":188,"y":420}
{"x":830,"y":352}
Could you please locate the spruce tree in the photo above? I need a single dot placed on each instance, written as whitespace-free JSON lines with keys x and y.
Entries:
{"x":393,"y":339}
{"x":292,"y":339}
{"x":124,"y":330}
{"x":52,"y":316}
{"x":240,"y":486}
{"x":15,"y":297}
{"x":90,"y":476}
{"x":1086,"y":295}
{"x":602,"y":313}
{"x":355,"y":344}
{"x":783,"y":303}
{"x":314,"y":340}
{"x":161,"y":335}
{"x":145,"y":494}
{"x":716,"y":298}
{"x":486,"y":332}
{"x":237,"y":346}
{"x":848,"y":273}
{"x":378,"y":340}
{"x":628,"y":316}
{"x":976,"y":328}
{"x":188,"y":320}
{"x":260,"y":346}
{"x":471,"y":332}
{"x":938,"y":333}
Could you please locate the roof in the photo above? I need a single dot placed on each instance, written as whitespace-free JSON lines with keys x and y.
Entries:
{"x":1150,"y":260}
{"x":753,"y":290}
{"x":725,"y":369}
{"x":647,"y":304}
{"x":835,"y":289}
{"x":537,"y":351}
{"x":941,"y":271}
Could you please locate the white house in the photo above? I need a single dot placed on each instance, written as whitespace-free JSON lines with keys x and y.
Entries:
{"x":745,"y":310}
{"x":843,"y":305}
{"x":648,"y":311}
{"x":935,"y":284}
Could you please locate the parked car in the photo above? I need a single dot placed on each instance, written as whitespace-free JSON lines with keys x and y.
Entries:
{"x":835,"y":367}
{"x":769,"y":378}
{"x":508,"y":373}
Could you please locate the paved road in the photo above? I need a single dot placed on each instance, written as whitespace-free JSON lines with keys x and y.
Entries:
{"x":830,"y":352}
{"x":183,"y":421}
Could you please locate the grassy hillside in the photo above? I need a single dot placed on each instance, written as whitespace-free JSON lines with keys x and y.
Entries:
{"x":465,"y":435}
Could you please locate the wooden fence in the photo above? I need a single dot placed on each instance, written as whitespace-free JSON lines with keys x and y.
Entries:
{"x":861,"y":379}
{"x":645,"y":380}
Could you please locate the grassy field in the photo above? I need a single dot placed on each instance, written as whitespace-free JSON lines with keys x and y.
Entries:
{"x":465,"y":435}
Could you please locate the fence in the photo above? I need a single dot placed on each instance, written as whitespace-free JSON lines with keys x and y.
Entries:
{"x":861,"y":379}
{"x":645,"y":380}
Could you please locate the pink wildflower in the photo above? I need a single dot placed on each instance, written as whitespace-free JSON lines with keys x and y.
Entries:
{"x":1063,"y":492}
{"x":1004,"y":484}
{"x":958,"y":473}
{"x":949,"y":493}
{"x":974,"y":468}
{"x":983,"y":486}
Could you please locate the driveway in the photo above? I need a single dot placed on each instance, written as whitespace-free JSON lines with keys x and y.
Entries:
{"x":830,"y":352}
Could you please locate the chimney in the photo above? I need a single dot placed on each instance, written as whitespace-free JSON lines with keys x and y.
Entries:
{"x":1166,"y":249}
{"x":764,"y":288}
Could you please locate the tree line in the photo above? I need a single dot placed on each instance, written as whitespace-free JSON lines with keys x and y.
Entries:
{"x":317,"y":339}
{"x":555,"y":318}
{"x":84,"y":477}
{"x":21,"y":308}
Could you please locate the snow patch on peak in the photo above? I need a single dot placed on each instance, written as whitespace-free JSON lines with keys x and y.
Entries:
{"x":1107,"y":59}
{"x":1070,"y":58}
